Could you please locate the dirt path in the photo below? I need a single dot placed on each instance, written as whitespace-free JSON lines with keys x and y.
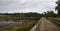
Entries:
{"x":46,"y":25}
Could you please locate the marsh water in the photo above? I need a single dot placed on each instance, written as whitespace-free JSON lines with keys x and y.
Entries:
{"x":5,"y":22}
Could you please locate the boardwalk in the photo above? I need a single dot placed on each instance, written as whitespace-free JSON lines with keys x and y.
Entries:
{"x":46,"y":25}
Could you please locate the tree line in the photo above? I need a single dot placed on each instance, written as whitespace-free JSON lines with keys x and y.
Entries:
{"x":58,"y":7}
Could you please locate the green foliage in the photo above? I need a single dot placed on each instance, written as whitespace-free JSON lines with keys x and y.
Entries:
{"x":58,"y":7}
{"x":19,"y":16}
{"x":50,"y":14}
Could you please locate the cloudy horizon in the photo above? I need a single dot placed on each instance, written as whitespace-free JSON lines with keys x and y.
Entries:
{"x":19,"y":6}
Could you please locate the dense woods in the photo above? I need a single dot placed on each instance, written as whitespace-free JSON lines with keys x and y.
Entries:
{"x":50,"y":14}
{"x":58,"y":7}
{"x":19,"y":16}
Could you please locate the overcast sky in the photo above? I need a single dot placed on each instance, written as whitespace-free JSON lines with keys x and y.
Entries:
{"x":39,"y":6}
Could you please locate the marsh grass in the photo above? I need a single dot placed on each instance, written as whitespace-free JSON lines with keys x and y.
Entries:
{"x":26,"y":27}
{"x":19,"y":27}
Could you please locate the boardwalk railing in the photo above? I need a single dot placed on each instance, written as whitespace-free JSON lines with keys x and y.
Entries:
{"x":35,"y":27}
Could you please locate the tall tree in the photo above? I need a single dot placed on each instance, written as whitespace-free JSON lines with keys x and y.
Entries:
{"x":58,"y":7}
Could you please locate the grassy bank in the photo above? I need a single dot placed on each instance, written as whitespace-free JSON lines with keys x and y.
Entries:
{"x":19,"y":27}
{"x":26,"y":27}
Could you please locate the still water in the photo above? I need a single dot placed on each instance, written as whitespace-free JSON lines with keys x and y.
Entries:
{"x":5,"y":22}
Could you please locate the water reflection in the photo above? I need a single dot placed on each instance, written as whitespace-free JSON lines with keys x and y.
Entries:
{"x":4,"y":22}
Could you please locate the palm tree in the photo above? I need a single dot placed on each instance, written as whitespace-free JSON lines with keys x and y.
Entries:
{"x":58,"y":7}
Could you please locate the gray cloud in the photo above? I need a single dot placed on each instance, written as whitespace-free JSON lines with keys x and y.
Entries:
{"x":26,"y":5}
